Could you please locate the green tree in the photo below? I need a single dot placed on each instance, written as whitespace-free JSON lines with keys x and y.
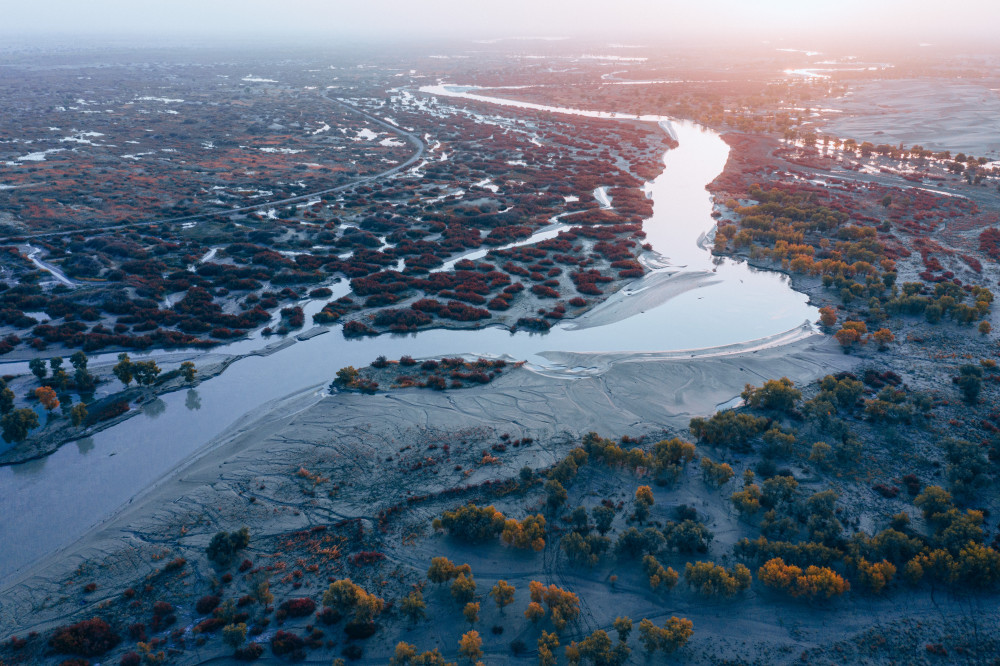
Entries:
{"x":632,"y":543}
{"x":586,"y":550}
{"x":123,"y":369}
{"x":79,"y":360}
{"x":84,"y":381}
{"x":59,"y":379}
{"x":145,"y":372}
{"x":472,"y":523}
{"x":604,"y":516}
{"x":779,"y":490}
{"x":413,"y":605}
{"x":580,"y":520}
{"x":17,"y":423}
{"x":233,"y":635}
{"x":78,"y":414}
{"x":38,"y":368}
{"x":687,"y":536}
{"x":188,"y":371}
{"x":970,"y":381}
{"x":224,"y":545}
{"x":820,"y":454}
{"x":6,"y":398}
{"x":555,"y":494}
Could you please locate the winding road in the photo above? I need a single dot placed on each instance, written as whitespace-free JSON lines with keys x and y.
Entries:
{"x":32,"y":253}
{"x":417,"y":142}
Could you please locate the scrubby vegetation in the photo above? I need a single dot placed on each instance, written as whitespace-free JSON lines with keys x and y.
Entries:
{"x":436,"y":374}
{"x":871,"y":488}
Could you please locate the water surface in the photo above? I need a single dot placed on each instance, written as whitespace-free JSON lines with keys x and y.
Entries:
{"x":48,"y":503}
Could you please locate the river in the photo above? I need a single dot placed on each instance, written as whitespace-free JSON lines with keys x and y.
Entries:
{"x":691,"y":301}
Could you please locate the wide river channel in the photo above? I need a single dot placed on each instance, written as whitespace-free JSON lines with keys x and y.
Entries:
{"x":47,"y":504}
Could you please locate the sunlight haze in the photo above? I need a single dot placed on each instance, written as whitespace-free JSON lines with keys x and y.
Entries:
{"x":714,"y":20}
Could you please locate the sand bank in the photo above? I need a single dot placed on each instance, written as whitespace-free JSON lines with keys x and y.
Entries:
{"x":643,"y":395}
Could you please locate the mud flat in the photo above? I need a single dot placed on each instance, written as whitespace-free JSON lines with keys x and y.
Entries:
{"x":259,"y":455}
{"x":937,"y":114}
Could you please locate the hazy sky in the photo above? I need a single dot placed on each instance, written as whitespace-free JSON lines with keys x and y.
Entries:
{"x":916,"y":20}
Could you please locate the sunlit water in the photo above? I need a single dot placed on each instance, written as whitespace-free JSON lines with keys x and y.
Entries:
{"x":48,"y":503}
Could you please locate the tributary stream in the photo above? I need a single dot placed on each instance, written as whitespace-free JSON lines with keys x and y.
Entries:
{"x":691,"y":301}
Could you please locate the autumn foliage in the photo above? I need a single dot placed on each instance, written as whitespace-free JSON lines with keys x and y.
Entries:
{"x":812,"y":583}
{"x":89,"y":638}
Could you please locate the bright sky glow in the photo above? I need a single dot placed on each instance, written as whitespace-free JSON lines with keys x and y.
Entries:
{"x":660,"y":21}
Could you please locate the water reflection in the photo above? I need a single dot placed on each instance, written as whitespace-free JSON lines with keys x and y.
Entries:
{"x":731,"y":303}
{"x":30,"y":468}
{"x":154,"y":408}
{"x":85,"y":445}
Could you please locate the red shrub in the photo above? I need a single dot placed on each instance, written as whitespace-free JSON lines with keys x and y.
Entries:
{"x":912,"y":484}
{"x":251,"y":652}
{"x":888,"y":492}
{"x":137,"y":631}
{"x":89,"y":638}
{"x":544,"y":292}
{"x":533,"y":324}
{"x":108,"y":412}
{"x":174,"y":565}
{"x":298,"y":607}
{"x":208,"y":625}
{"x":328,"y":616}
{"x":287,"y":643}
{"x":366,"y":557}
{"x":402,"y":319}
{"x":207,"y":604}
{"x":355,"y":329}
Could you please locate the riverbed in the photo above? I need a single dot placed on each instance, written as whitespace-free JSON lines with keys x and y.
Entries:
{"x":691,"y":301}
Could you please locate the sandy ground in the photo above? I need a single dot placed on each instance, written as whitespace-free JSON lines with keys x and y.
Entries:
{"x":634,"y":396}
{"x":643,"y":294}
{"x":366,"y":446}
{"x":938,"y":114}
